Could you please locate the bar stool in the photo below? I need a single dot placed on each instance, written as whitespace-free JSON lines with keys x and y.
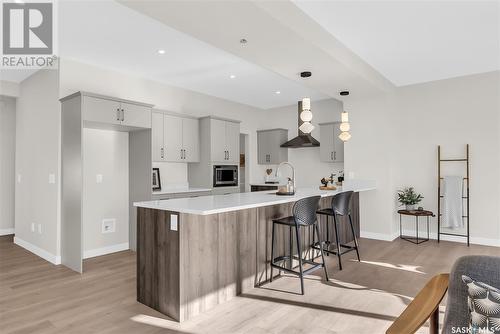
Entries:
{"x":340,"y":207}
{"x":304,"y":215}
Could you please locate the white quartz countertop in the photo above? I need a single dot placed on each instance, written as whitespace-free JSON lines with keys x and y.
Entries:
{"x":267,"y":184}
{"x":207,"y":205}
{"x":180,"y":190}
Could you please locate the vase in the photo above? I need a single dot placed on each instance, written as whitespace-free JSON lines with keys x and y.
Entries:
{"x":410,"y":207}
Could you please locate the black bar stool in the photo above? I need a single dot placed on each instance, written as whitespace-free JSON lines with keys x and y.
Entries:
{"x":304,"y":215}
{"x":340,"y":207}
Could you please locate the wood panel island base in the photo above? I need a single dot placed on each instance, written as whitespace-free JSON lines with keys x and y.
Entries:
{"x":196,"y":253}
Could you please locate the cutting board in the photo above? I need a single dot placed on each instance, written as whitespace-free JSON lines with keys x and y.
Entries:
{"x":327,"y":188}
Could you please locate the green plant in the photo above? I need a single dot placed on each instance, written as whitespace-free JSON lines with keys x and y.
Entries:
{"x":408,"y":196}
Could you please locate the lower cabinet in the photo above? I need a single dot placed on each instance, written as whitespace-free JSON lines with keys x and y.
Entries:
{"x":262,"y":188}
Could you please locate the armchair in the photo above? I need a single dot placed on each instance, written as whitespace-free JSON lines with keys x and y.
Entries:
{"x":426,"y":304}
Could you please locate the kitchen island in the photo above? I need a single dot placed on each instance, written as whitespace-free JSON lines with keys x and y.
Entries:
{"x":196,"y":253}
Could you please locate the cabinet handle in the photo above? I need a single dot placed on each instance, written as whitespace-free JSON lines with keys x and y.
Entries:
{"x":184,"y":154}
{"x":162,"y":153}
{"x":335,"y":155}
{"x":227,"y":155}
{"x":118,"y":114}
{"x":331,"y":155}
{"x":123,"y":115}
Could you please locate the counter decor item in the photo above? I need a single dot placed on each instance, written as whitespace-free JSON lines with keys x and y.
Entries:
{"x":325,"y":181}
{"x":408,"y":197}
{"x":287,"y":190}
{"x":156,"y":182}
{"x":340,"y":178}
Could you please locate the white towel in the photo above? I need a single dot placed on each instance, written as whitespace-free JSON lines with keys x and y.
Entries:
{"x":452,"y":202}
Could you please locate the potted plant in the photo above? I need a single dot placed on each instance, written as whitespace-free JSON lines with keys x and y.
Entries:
{"x":409,"y":198}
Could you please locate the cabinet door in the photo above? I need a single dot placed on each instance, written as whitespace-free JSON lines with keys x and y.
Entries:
{"x":277,"y":154}
{"x":136,"y":116}
{"x":191,"y":139}
{"x":218,"y":140}
{"x":327,"y":149}
{"x":172,"y":138}
{"x":233,"y":142}
{"x":338,"y":155}
{"x":157,"y":136}
{"x":101,"y":110}
{"x":263,"y":147}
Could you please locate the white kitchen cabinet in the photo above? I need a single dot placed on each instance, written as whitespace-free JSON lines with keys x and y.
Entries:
{"x":157,"y":136}
{"x":269,"y":150}
{"x":175,"y":138}
{"x":331,"y":148}
{"x":218,"y":140}
{"x":101,"y":110}
{"x":224,"y":141}
{"x":135,"y":115}
{"x":172,"y":138}
{"x":191,"y":139}
{"x":98,"y":110}
{"x":233,"y":142}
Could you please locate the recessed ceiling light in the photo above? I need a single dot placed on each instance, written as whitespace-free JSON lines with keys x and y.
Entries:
{"x":161,"y":52}
{"x":232,"y":76}
{"x":277,"y":92}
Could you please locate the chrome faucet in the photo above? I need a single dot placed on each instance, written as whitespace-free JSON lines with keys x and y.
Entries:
{"x":293,"y":172}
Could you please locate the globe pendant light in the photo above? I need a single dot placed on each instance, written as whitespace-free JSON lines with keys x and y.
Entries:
{"x":306,"y":116}
{"x":345,"y":127}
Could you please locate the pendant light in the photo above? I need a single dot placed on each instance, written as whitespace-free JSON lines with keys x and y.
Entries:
{"x":345,"y":127}
{"x":306,"y":116}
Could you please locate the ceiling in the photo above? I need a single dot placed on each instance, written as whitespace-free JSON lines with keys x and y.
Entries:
{"x":120,"y":38}
{"x":415,"y":41}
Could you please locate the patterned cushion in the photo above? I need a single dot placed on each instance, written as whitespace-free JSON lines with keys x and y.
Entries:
{"x":484,"y":307}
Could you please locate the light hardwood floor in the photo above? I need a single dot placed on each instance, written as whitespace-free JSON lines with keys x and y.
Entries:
{"x":38,"y":297}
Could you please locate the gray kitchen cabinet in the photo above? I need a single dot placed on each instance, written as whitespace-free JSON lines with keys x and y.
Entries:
{"x":269,"y":147}
{"x":175,"y":138}
{"x":332,"y":148}
{"x":224,"y":141}
{"x":100,"y":110}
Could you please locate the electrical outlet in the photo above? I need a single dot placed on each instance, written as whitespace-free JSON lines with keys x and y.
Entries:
{"x":98,"y":178}
{"x":39,"y":228}
{"x":52,"y":178}
{"x":173,"y":222}
{"x":351,"y":175}
{"x":32,"y":227}
{"x":108,"y":225}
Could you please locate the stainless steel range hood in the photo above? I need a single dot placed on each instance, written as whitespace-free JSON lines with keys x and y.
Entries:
{"x":303,"y":139}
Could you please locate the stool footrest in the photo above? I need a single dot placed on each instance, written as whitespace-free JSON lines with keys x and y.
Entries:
{"x":327,"y":249}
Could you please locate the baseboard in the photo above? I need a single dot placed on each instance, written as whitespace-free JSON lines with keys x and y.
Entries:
{"x":377,"y":236}
{"x":6,"y":231}
{"x":105,"y":250}
{"x":38,"y":251}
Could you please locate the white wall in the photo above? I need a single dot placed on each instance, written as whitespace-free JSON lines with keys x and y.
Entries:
{"x":309,"y":169}
{"x":8,"y":88}
{"x":395,"y":138}
{"x":7,"y":163}
{"x":37,"y":158}
{"x":105,"y":153}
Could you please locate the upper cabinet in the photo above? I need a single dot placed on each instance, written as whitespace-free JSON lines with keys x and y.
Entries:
{"x":269,"y":147}
{"x":175,"y":138}
{"x":331,"y":148}
{"x":224,"y":138}
{"x":104,"y":110}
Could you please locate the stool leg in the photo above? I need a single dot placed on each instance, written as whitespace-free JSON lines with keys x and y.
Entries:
{"x":327,"y":241}
{"x":272,"y":252}
{"x":321,"y":251}
{"x":291,"y":249}
{"x":354,"y":236}
{"x":297,"y":232}
{"x":337,"y":240}
{"x":313,"y":250}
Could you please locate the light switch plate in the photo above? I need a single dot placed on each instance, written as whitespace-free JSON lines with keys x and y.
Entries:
{"x":173,"y":223}
{"x":32,"y":227}
{"x":52,"y":178}
{"x":98,"y":178}
{"x":351,"y":175}
{"x":39,"y":228}
{"x":19,"y":177}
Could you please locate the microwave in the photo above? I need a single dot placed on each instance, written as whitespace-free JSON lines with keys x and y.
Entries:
{"x":225,"y":176}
